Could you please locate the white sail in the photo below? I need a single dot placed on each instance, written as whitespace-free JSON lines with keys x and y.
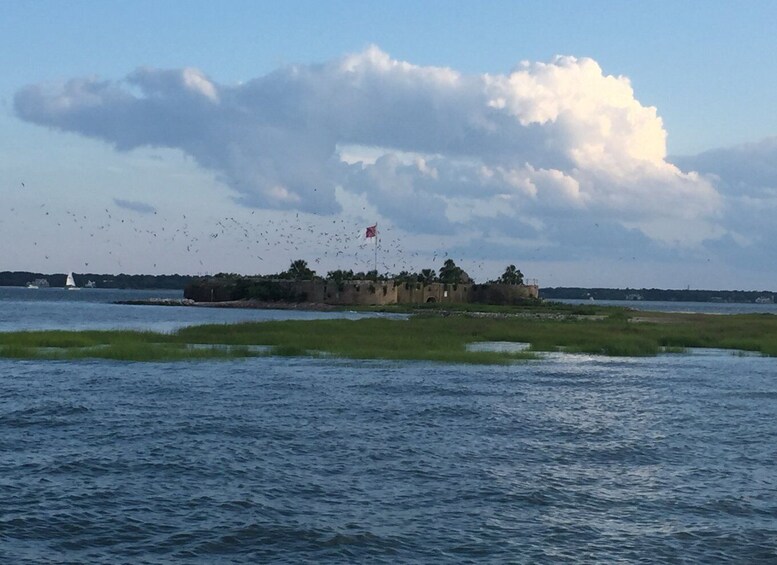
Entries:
{"x":70,"y":283}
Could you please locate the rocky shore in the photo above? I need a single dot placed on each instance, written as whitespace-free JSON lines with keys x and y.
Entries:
{"x":258,"y":304}
{"x":321,"y":307}
{"x":158,"y":302}
{"x":315,"y":306}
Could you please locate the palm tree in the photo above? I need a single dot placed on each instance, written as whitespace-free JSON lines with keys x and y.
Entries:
{"x":428,"y":276}
{"x":299,"y":271}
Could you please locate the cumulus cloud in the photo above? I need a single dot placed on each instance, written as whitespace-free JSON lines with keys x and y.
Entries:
{"x":431,"y":149}
{"x":749,"y":169}
{"x":746,"y":176}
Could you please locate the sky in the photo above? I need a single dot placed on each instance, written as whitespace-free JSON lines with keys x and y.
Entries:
{"x":599,"y":143}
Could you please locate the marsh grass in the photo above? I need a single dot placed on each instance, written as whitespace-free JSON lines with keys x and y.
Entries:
{"x":431,"y":337}
{"x":75,"y":339}
{"x":117,"y":345}
{"x":14,"y":351}
{"x":290,"y":351}
{"x":157,"y":352}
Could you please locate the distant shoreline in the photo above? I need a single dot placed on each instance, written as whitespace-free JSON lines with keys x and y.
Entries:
{"x":660,"y":295}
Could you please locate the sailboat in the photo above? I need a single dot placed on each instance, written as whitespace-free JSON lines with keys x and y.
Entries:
{"x":70,"y":283}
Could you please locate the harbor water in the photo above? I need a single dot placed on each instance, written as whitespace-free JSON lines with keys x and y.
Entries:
{"x":570,"y":458}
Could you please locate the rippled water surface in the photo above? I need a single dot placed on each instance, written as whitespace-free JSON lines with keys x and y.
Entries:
{"x":571,"y":458}
{"x":95,"y":309}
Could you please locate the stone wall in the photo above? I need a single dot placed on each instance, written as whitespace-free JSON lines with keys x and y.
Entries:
{"x":356,"y":292}
{"x":503,"y":293}
{"x":422,"y":293}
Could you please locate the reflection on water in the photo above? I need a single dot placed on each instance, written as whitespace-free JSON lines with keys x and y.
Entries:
{"x":499,"y":346}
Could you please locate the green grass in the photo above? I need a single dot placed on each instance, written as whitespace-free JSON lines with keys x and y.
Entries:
{"x":427,"y":336}
{"x":118,"y":345}
{"x":529,"y":307}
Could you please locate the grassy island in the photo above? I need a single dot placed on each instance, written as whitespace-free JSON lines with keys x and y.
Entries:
{"x":433,"y":335}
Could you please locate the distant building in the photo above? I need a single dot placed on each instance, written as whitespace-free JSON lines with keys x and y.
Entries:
{"x":38,"y":283}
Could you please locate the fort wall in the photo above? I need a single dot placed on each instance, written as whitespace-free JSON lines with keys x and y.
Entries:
{"x":421,"y":293}
{"x":357,"y":292}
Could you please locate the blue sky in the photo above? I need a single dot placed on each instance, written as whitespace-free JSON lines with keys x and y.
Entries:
{"x":571,"y":219}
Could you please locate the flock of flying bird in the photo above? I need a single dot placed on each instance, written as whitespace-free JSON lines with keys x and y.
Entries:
{"x":259,"y":243}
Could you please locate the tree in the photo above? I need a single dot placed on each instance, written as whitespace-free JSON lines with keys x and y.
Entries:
{"x":427,"y":276}
{"x":450,"y":273}
{"x":511,"y":276}
{"x":299,"y":271}
{"x":340,"y":275}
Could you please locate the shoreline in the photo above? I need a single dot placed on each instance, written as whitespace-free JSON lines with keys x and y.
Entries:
{"x":247,"y":304}
{"x":321,"y":307}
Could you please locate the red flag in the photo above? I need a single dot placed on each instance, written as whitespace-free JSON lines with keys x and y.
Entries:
{"x":372,"y":231}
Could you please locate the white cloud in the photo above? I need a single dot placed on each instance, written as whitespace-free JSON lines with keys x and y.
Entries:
{"x":442,"y":151}
{"x":747,"y":169}
{"x":746,"y":176}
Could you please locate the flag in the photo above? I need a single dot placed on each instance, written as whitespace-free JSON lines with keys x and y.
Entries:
{"x":372,"y":231}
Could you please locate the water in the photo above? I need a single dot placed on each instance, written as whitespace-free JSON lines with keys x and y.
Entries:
{"x":94,"y":309}
{"x":572,"y":458}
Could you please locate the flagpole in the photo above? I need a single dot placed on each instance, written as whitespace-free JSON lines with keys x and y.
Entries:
{"x":372,"y":231}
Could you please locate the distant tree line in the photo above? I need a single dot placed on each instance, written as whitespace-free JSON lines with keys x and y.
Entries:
{"x":654,"y":294}
{"x":175,"y":282}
